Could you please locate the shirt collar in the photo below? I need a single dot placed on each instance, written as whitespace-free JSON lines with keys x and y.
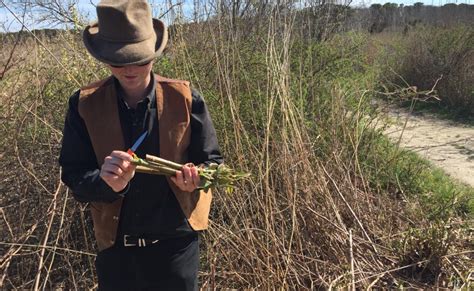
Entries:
{"x":151,"y":98}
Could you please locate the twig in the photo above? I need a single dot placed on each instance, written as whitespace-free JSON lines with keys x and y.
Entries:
{"x":48,"y":248}
{"x":6,"y":222}
{"x":20,"y":162}
{"x":56,"y":131}
{"x":352,"y":260}
{"x":46,"y":236}
{"x":169,"y":9}
{"x":456,"y":269}
{"x":411,"y":265}
{"x":57,"y":238}
{"x":350,"y":209}
{"x":10,"y":57}
{"x":40,"y":42}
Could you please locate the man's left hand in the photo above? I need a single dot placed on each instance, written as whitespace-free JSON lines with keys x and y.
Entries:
{"x":187,"y":179}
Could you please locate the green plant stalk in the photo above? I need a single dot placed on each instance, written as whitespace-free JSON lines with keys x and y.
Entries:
{"x":212,"y":176}
{"x":164,"y":162}
{"x":143,"y":169}
{"x":156,"y":170}
{"x":158,"y":166}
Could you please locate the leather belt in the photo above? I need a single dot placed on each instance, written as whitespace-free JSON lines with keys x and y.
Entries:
{"x":135,"y":241}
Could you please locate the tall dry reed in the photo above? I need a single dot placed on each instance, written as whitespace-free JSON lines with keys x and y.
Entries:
{"x":309,"y":216}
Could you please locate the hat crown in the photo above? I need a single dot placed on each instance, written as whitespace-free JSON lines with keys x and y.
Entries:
{"x":124,"y":21}
{"x":125,"y":33}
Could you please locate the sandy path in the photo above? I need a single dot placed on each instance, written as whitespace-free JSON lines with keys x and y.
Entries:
{"x":447,"y":144}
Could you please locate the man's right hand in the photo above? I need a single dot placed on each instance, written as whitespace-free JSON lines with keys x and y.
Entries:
{"x":117,"y":170}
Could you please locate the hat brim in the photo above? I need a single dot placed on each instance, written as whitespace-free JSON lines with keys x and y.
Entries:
{"x":126,"y":53}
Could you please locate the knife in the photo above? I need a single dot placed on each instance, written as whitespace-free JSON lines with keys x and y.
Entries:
{"x":134,"y":147}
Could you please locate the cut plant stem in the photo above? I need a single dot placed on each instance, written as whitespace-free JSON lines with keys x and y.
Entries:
{"x":211,"y":176}
{"x":164,"y":162}
{"x":156,"y":170}
{"x":143,"y":169}
{"x":158,"y":165}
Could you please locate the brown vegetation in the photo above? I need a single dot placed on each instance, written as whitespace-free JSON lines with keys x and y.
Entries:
{"x":322,"y":209}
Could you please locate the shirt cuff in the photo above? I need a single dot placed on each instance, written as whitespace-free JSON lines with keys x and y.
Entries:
{"x":108,"y":194}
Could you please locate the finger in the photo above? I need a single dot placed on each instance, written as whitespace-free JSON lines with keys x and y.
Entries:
{"x":116,"y":175}
{"x":122,"y":181}
{"x":113,"y":169}
{"x":129,"y":174}
{"x":122,"y":155}
{"x":195,"y":177}
{"x":173,"y":178}
{"x":182,"y":183}
{"x":107,"y":176}
{"x":115,"y":161}
{"x":115,"y":182}
{"x":188,"y":177}
{"x":193,"y":172}
{"x":180,"y":179}
{"x":118,"y":156}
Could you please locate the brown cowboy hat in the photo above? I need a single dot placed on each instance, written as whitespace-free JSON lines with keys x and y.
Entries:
{"x":125,"y":33}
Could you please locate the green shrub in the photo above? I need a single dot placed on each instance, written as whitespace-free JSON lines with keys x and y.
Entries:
{"x":421,"y":252}
{"x":443,"y":56}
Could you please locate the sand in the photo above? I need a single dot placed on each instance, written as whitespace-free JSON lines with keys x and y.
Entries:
{"x":447,"y":144}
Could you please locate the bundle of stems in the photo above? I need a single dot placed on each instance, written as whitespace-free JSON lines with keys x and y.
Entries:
{"x":211,"y":176}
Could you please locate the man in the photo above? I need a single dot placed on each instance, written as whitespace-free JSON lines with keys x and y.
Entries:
{"x":145,"y":225}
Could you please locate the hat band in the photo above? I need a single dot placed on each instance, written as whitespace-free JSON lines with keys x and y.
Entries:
{"x":129,"y":40}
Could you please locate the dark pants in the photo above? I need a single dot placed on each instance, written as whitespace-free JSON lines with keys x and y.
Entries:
{"x":168,"y":265}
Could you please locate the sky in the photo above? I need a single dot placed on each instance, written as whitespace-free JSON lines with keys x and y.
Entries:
{"x":86,"y":7}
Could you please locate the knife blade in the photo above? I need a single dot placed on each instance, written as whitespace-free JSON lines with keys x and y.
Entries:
{"x":137,"y":143}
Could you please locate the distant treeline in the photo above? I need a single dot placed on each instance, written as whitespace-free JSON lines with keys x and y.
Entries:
{"x":329,"y":18}
{"x":391,"y":15}
{"x":24,"y":34}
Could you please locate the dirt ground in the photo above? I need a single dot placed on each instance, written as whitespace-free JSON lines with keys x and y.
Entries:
{"x":447,"y":144}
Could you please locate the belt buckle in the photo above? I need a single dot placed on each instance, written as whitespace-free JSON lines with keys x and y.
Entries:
{"x":125,"y":241}
{"x":141,"y":242}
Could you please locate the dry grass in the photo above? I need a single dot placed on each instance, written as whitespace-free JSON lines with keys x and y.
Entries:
{"x":434,"y":58}
{"x":308,"y":218}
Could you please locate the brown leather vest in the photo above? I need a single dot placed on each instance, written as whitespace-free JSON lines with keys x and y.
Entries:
{"x":99,"y":109}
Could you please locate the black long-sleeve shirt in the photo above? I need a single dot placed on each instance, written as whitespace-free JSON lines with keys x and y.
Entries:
{"x":145,"y":210}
